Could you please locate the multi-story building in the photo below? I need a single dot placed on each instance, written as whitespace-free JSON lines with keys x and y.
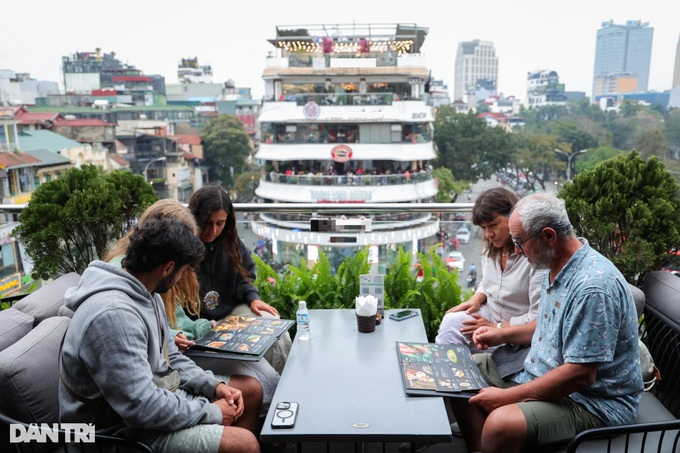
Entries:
{"x":189,"y":71}
{"x":439,"y":93}
{"x":622,"y":57}
{"x":196,"y":89}
{"x":544,"y":88}
{"x":20,"y":89}
{"x":676,"y":71}
{"x":345,"y":121}
{"x":109,"y":81}
{"x":476,"y":70}
{"x":17,"y":169}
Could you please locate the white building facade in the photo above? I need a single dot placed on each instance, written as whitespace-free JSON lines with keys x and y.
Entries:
{"x":345,"y":121}
{"x":476,"y":70}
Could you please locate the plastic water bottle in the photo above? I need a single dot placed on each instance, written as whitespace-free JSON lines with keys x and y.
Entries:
{"x":302,"y":318}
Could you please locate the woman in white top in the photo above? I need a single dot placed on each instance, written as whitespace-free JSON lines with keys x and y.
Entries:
{"x":510,"y":288}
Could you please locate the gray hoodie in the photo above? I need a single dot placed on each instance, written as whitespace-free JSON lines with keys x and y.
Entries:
{"x":113,"y":350}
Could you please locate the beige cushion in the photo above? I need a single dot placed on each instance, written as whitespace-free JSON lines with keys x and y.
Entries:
{"x":14,"y":324}
{"x":29,"y":374}
{"x":45,"y":302}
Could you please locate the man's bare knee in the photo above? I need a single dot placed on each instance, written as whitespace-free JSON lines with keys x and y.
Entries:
{"x":248,"y":385}
{"x":238,"y":440}
{"x":504,"y":427}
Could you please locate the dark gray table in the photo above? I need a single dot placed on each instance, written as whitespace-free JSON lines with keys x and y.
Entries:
{"x":349,"y":386}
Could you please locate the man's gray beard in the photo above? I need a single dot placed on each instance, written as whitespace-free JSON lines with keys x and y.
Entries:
{"x":546,"y":256}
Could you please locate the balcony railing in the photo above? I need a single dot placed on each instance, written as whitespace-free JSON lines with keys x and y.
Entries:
{"x":282,"y":233}
{"x":342,"y":98}
{"x":323,"y":208}
{"x":345,"y":180}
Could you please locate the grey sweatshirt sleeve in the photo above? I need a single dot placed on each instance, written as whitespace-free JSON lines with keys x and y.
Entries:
{"x":116,"y":351}
{"x":194,"y":379}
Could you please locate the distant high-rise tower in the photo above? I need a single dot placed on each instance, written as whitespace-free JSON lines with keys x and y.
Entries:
{"x":622,"y":56}
{"x":676,"y":73}
{"x":476,"y":69}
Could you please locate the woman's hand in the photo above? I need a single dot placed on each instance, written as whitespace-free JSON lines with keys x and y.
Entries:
{"x":182,"y":342}
{"x":259,"y":306}
{"x":470,"y":306}
{"x":470,"y":325}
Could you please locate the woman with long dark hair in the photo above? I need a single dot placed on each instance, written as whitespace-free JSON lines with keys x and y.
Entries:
{"x":227,"y":272}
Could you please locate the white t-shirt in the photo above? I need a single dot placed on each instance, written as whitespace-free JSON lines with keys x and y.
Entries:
{"x":506,"y":292}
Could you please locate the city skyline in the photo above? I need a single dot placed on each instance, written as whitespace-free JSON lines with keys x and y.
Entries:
{"x":154,"y":37}
{"x":622,"y":57}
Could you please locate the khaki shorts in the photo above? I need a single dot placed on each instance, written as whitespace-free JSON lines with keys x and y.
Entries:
{"x":548,"y":422}
{"x":197,"y":439}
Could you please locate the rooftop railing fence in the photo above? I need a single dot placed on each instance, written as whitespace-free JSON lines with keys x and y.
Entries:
{"x":448,"y":212}
{"x":344,"y":180}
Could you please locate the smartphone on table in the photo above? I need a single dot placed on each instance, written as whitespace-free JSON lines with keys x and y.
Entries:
{"x":285,"y":415}
{"x":404,"y":314}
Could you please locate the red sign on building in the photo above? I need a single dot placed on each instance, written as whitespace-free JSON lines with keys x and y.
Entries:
{"x":341,"y":153}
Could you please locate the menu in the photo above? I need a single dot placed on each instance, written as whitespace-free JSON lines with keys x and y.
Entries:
{"x":240,"y":338}
{"x":439,"y":369}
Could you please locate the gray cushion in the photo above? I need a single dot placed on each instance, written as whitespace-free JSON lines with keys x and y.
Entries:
{"x":638,"y":298}
{"x":651,"y":410}
{"x":662,"y":290}
{"x":45,"y":302}
{"x":14,"y":324}
{"x":29,"y":374}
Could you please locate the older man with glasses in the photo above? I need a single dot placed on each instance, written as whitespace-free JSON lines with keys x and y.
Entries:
{"x":583,"y":368}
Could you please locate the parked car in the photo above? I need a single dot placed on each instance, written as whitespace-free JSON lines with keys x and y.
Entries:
{"x":463,"y":235}
{"x":455,"y":260}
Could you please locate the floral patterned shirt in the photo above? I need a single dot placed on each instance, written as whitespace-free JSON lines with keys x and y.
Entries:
{"x":587,"y":315}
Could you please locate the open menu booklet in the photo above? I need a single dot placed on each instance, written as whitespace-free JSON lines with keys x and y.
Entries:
{"x":240,"y":338}
{"x":439,"y":370}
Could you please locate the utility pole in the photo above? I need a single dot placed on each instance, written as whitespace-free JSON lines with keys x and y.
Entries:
{"x":146,"y":167}
{"x":570,"y":158}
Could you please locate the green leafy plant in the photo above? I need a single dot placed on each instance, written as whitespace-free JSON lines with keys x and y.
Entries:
{"x":435,"y":293}
{"x":71,"y":221}
{"x":628,"y":209}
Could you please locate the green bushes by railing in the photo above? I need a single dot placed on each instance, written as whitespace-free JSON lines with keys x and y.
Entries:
{"x":434,"y":293}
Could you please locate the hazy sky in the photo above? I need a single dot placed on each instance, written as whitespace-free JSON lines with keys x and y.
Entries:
{"x":232,"y":35}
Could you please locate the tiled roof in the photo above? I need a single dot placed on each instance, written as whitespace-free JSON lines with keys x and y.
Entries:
{"x":48,"y":158}
{"x":81,"y":122}
{"x":8,"y":112}
{"x":9,"y":160}
{"x":35,"y":118}
{"x":188,"y":156}
{"x":119,"y":160}
{"x":188,"y":139}
{"x":44,"y":139}
{"x":498,"y":116}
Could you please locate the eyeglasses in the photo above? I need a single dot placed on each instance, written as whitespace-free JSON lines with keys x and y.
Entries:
{"x":519,"y":243}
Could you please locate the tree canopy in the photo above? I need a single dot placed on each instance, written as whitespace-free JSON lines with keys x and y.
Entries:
{"x":468,"y":147}
{"x":448,"y":188}
{"x":71,"y":221}
{"x":628,"y":209}
{"x":227,"y":146}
